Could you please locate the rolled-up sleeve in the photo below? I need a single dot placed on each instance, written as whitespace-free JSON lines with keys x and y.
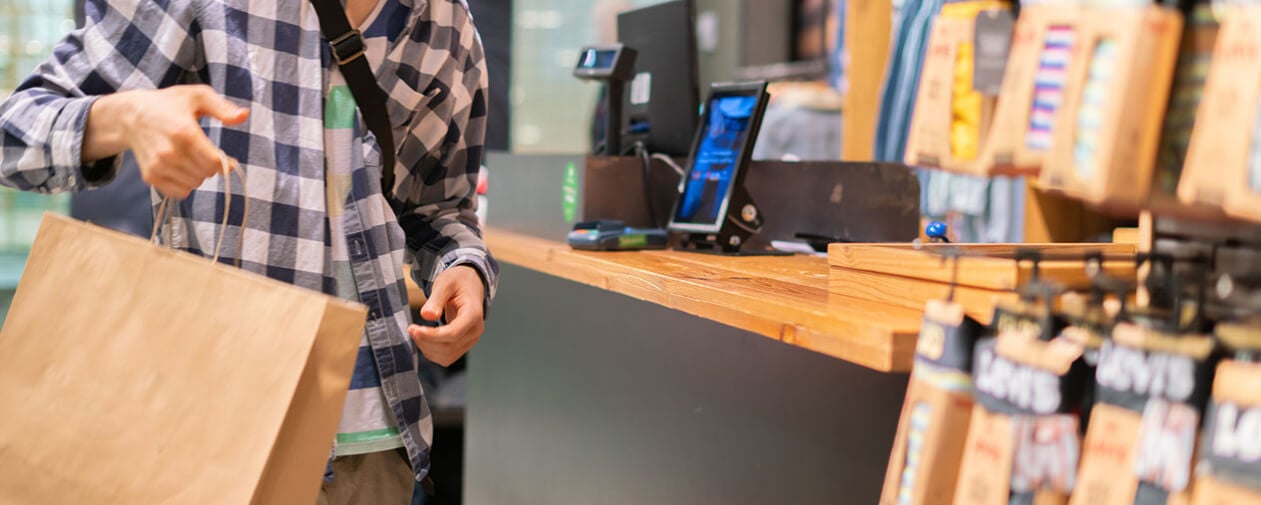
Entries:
{"x":442,"y":155}
{"x":125,"y":45}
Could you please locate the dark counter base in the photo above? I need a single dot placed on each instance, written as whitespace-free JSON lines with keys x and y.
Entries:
{"x":581,"y":396}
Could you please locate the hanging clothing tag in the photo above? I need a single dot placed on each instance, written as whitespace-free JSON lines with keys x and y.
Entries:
{"x":993,"y":43}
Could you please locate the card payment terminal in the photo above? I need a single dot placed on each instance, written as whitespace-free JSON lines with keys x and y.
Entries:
{"x":616,"y":236}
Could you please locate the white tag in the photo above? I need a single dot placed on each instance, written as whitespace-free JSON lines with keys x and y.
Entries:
{"x":641,"y":89}
{"x":707,"y":26}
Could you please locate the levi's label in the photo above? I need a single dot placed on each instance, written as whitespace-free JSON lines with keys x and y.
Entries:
{"x":1005,"y":386}
{"x":1128,"y":377}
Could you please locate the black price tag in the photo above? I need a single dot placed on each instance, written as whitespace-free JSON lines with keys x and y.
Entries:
{"x":993,"y":43}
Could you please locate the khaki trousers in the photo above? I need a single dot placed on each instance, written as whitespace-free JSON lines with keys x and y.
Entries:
{"x":382,"y":478}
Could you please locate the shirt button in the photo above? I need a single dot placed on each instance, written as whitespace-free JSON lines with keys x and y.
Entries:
{"x":357,"y":249}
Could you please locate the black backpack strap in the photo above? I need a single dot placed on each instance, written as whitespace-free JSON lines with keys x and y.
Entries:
{"x":348,"y":50}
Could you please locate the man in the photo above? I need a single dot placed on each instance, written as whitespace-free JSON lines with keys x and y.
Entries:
{"x":175,"y":82}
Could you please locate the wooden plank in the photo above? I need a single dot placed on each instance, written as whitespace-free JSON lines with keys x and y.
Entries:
{"x":784,"y":298}
{"x":980,"y":272}
{"x":867,"y":27}
{"x":799,"y":269}
{"x":915,"y":293}
{"x":1051,"y":217}
{"x":1126,"y":236}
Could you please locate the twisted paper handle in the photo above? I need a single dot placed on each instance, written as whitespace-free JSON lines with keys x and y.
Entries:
{"x":163,"y":219}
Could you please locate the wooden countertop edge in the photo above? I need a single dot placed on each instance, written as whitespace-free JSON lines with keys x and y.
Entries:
{"x":877,"y":347}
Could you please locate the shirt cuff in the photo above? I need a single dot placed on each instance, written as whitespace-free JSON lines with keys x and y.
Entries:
{"x":66,"y":148}
{"x":480,"y":261}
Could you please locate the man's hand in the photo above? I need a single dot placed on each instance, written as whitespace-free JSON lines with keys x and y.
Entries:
{"x":459,"y":295}
{"x":161,"y":128}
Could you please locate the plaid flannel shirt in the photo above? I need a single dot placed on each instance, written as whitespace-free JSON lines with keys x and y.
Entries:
{"x":269,"y":56}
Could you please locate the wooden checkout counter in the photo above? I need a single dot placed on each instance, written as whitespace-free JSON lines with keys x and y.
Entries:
{"x":784,"y":299}
{"x":671,"y":377}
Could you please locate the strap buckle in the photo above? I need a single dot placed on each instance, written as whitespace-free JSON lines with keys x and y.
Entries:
{"x":348,"y":47}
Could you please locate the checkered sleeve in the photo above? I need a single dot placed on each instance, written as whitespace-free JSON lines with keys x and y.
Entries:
{"x":441,"y":155}
{"x":126,"y":44}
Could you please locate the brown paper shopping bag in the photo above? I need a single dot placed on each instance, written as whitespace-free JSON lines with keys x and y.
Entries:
{"x":136,"y":375}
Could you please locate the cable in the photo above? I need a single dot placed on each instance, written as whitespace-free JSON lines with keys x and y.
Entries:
{"x":677,"y":169}
{"x":670,"y":163}
{"x":643,"y":155}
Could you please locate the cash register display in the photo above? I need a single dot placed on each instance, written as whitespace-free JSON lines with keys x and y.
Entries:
{"x":597,"y":59}
{"x":709,"y":183}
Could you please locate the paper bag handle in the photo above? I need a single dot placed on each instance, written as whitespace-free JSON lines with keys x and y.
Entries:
{"x":164,"y":217}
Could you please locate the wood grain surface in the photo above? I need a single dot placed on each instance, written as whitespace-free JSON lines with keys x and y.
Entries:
{"x":783,"y":298}
{"x":915,"y":293}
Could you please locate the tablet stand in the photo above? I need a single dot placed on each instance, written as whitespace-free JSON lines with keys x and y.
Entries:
{"x":738,"y":234}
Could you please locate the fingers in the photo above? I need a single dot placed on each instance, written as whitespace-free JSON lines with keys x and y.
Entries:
{"x":174,"y":185}
{"x":462,"y":324}
{"x":209,"y":103}
{"x":440,"y":297}
{"x":204,"y":159}
{"x":446,"y":353}
{"x":173,"y":152}
{"x":446,"y":344}
{"x":182,"y":163}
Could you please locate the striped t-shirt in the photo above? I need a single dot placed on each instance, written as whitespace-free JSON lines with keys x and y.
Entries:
{"x":367,"y":425}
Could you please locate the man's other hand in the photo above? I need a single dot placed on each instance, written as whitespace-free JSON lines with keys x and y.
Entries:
{"x":458,"y":296}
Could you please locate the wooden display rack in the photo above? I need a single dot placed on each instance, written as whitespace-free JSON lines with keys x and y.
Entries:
{"x":1118,"y":173}
{"x":1009,"y":150}
{"x":900,"y":274}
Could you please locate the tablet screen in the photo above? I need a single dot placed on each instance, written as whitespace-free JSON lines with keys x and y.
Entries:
{"x":725,"y":128}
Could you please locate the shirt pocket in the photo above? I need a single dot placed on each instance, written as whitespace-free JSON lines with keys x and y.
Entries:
{"x":405,"y":101}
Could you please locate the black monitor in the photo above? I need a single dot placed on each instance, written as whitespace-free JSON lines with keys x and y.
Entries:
{"x":661,"y":102}
{"x":715,"y":206}
{"x":783,"y":39}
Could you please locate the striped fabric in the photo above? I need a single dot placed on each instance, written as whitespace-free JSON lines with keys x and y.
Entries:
{"x":920,"y":420}
{"x":912,"y":21}
{"x":1048,"y":86}
{"x":1090,"y":115}
{"x":269,"y":56}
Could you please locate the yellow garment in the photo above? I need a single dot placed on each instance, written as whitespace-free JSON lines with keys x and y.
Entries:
{"x":965,"y":107}
{"x":966,"y":102}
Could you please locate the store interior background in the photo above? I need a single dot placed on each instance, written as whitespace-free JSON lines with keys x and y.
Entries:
{"x":538,"y":107}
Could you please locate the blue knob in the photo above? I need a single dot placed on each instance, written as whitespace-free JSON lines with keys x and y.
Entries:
{"x":936,"y":231}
